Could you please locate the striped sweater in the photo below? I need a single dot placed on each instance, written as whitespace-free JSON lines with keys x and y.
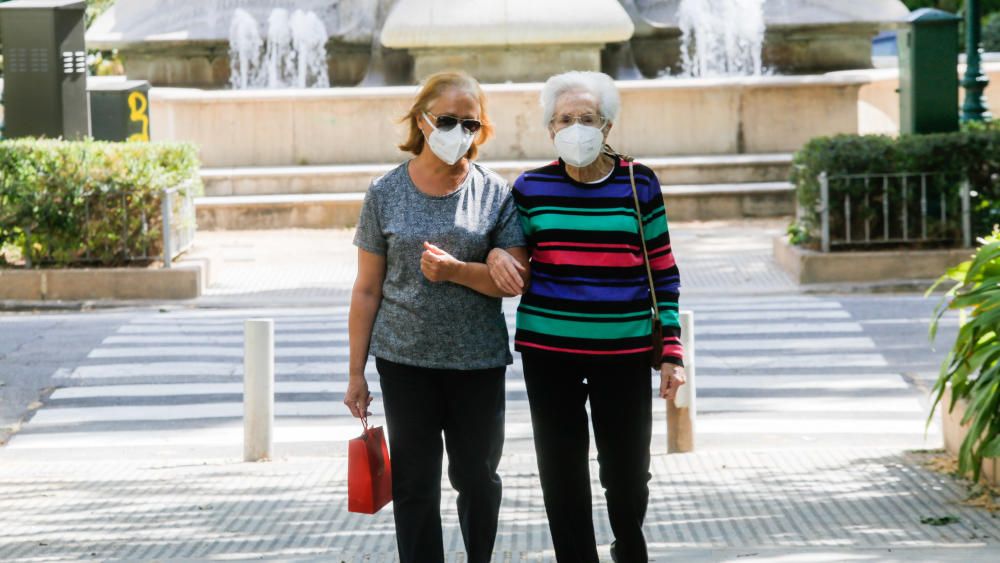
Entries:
{"x":589,"y":293}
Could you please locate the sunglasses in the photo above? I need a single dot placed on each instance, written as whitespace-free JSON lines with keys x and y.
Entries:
{"x":448,"y":122}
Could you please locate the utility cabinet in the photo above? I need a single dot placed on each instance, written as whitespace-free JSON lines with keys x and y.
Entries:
{"x":928,"y":73}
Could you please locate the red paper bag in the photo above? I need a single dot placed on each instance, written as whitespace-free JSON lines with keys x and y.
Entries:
{"x":369,"y":473}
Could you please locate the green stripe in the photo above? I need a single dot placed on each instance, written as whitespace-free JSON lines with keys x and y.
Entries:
{"x":585,"y":223}
{"x":655,"y":229}
{"x":622,"y":316}
{"x":582,"y":329}
{"x":556,"y":209}
{"x":669,"y":317}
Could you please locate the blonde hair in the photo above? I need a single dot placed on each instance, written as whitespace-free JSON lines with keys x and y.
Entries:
{"x":435,"y":85}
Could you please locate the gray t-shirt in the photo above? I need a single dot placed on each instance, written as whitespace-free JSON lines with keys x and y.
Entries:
{"x":438,"y":325}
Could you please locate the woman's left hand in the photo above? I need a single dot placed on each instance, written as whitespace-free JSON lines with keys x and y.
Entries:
{"x":671,"y":379}
{"x":437,"y":265}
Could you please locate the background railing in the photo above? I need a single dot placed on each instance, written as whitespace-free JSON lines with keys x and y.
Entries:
{"x":140,"y":234}
{"x":178,"y":213}
{"x":909,"y":210}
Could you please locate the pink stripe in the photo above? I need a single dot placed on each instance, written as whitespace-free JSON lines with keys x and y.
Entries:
{"x":664,"y":262}
{"x":587,"y":245}
{"x":588,"y":352}
{"x":674,"y":350}
{"x":609,"y":259}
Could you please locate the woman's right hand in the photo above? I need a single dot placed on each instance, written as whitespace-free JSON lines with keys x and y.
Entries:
{"x":506,"y":271}
{"x":357,"y":398}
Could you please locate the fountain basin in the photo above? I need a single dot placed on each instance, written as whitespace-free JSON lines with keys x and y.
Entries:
{"x":770,"y":114}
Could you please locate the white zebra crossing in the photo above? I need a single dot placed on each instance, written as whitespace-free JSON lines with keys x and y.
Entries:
{"x":795,"y":366}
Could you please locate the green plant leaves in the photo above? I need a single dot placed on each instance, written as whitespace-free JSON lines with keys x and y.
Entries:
{"x":88,"y":201}
{"x":972,"y":367}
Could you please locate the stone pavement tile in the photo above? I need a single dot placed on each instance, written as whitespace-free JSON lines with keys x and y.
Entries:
{"x":807,"y":505}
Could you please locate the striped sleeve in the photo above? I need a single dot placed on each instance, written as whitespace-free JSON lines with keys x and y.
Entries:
{"x":666,"y":276}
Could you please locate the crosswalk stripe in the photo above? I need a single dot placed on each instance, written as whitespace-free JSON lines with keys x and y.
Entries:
{"x":240,"y":314}
{"x":280,"y":338}
{"x":791,"y":361}
{"x":206,"y":369}
{"x":906,"y":404}
{"x":809,"y":305}
{"x":214,"y":351}
{"x":713,"y":425}
{"x":801,"y":344}
{"x":707,"y":329}
{"x":234,"y":328}
{"x":761,"y":316}
{"x":802,"y":381}
{"x":192,"y":389}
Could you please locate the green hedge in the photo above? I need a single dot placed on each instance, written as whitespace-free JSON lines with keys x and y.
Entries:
{"x":87,"y":202}
{"x":972,"y":154}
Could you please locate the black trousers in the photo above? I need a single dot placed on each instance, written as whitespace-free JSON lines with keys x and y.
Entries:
{"x":620,"y":394}
{"x":468,"y":406}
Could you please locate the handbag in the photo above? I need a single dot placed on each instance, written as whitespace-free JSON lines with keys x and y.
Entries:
{"x":656,"y":355}
{"x":369,"y":472}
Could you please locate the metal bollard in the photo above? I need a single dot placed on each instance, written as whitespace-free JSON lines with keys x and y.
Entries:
{"x":681,"y":413}
{"x":258,"y":389}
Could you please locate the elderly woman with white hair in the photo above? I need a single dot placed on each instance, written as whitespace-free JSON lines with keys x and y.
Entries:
{"x":600,"y":310}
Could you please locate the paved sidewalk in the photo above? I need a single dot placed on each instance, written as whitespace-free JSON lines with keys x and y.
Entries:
{"x":806,"y":505}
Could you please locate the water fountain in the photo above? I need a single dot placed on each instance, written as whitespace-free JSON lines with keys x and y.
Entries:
{"x":293,"y":55}
{"x":187,"y":43}
{"x":721,"y":37}
{"x":802,"y":36}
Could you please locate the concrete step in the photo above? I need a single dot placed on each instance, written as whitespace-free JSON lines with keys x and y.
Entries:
{"x":347,"y":178}
{"x":691,"y":202}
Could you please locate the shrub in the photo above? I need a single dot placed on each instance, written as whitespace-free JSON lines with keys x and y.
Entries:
{"x":88,"y":202}
{"x":972,"y":154}
{"x":973,"y":365}
{"x":991,"y":33}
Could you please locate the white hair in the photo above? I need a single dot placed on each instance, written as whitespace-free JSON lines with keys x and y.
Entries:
{"x":597,"y":83}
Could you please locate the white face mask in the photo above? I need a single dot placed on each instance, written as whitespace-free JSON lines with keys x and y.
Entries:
{"x":579,"y":145}
{"x":449,"y":146}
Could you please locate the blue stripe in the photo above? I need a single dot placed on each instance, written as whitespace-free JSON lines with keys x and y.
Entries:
{"x":594,"y":281}
{"x":612,"y":190}
{"x":546,"y":288}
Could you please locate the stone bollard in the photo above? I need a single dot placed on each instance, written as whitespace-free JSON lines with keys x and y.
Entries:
{"x":258,"y":389}
{"x":681,"y":412}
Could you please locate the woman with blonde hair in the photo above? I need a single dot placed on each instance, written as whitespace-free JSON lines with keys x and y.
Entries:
{"x":424,"y":305}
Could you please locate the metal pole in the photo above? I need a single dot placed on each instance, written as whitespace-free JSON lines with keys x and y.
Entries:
{"x":258,"y":389}
{"x":681,"y":413}
{"x":824,"y":198}
{"x":974,"y":81}
{"x":168,"y":254}
{"x":966,"y":216}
